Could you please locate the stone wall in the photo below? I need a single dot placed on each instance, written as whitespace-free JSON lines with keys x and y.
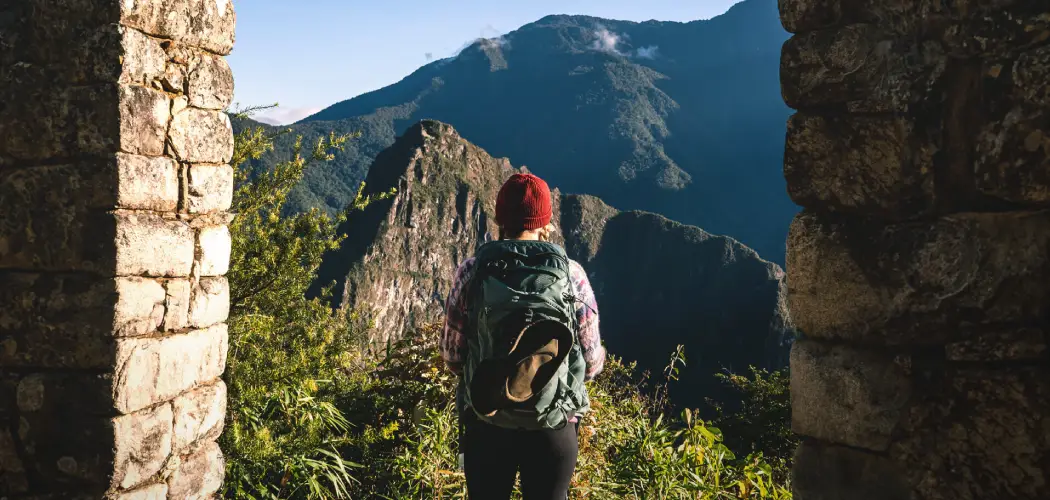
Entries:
{"x":114,"y":182}
{"x":919,"y":271}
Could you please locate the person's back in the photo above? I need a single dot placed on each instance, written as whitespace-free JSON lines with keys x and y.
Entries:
{"x":521,"y":330}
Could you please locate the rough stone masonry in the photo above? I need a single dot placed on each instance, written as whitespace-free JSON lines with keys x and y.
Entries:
{"x":114,"y":186}
{"x":919,"y":270}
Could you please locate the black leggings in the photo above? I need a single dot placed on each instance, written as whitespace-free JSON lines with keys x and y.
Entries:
{"x":493,"y":455}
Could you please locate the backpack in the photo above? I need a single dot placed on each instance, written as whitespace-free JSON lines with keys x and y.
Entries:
{"x":524,"y":367}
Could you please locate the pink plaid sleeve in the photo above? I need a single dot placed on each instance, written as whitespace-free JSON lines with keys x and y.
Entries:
{"x":587,"y":315}
{"x":453,"y":343}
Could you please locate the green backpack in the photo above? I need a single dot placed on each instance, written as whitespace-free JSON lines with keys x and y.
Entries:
{"x":524,"y":367}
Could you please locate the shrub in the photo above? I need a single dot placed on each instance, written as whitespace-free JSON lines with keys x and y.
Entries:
{"x":629,"y":448}
{"x":759,"y":419}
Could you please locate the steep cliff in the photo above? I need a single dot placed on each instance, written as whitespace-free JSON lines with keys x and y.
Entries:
{"x":400,"y":253}
{"x":659,"y":283}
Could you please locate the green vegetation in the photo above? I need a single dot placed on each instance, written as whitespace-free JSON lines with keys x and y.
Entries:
{"x":288,"y":354}
{"x":311,"y":416}
{"x":630,"y":445}
{"x":759,"y":416}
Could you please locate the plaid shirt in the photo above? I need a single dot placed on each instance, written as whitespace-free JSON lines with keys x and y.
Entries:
{"x":454,"y":341}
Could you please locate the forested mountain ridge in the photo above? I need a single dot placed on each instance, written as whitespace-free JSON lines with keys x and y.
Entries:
{"x":631,"y":112}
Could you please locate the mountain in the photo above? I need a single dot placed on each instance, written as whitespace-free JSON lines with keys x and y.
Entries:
{"x":658,"y":283}
{"x":681,"y":119}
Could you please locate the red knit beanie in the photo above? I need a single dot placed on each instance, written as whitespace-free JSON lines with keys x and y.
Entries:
{"x":524,"y":202}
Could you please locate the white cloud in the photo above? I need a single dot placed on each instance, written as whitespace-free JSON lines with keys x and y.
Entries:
{"x":489,"y":37}
{"x":490,"y":31}
{"x":284,"y":116}
{"x":606,"y":41}
{"x":647,"y":52}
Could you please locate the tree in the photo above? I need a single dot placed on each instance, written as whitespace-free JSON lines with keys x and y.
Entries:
{"x":759,"y":420}
{"x":288,"y":354}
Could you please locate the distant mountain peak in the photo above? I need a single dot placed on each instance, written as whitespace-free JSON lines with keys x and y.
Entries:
{"x":681,"y":119}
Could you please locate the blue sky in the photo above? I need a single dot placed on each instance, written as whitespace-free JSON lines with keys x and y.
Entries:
{"x":307,"y":54}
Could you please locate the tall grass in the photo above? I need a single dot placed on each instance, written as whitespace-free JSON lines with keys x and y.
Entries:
{"x":630,"y":447}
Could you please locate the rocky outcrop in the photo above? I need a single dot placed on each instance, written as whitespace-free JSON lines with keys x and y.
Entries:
{"x":919,"y":270}
{"x":659,"y":283}
{"x":399,"y":257}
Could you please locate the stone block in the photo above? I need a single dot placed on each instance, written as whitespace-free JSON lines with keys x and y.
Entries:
{"x":202,"y":136}
{"x":199,"y":417}
{"x":149,"y":245}
{"x":964,"y":28}
{"x":209,"y":81}
{"x":71,"y":43}
{"x":179,"y":104}
{"x":144,"y":60}
{"x":174,"y":80}
{"x":1013,"y":344}
{"x":917,"y":282}
{"x":845,"y":395}
{"x":54,"y":215}
{"x":210,"y":302}
{"x":53,"y":321}
{"x":48,"y":223}
{"x":147,"y":183}
{"x":68,"y":42}
{"x":56,"y":321}
{"x":151,"y":492}
{"x":177,"y":304}
{"x":88,"y":13}
{"x":979,"y":433}
{"x":870,"y":165}
{"x":1031,"y":71}
{"x":67,"y":451}
{"x":859,"y":65}
{"x":52,"y":197}
{"x":83,"y":393}
{"x":143,"y":443}
{"x":210,"y":188}
{"x":199,"y":475}
{"x":830,"y":472}
{"x":77,"y":186}
{"x":153,"y":370}
{"x":831,"y":66}
{"x":41,"y":123}
{"x":140,"y":306}
{"x":1013,"y":157}
{"x":13,"y":479}
{"x":208,"y":24}
{"x":993,"y":29}
{"x":799,"y":16}
{"x":144,"y":115}
{"x":214,"y":244}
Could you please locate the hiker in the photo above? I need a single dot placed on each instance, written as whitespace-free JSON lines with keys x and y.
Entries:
{"x":521,"y":331}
